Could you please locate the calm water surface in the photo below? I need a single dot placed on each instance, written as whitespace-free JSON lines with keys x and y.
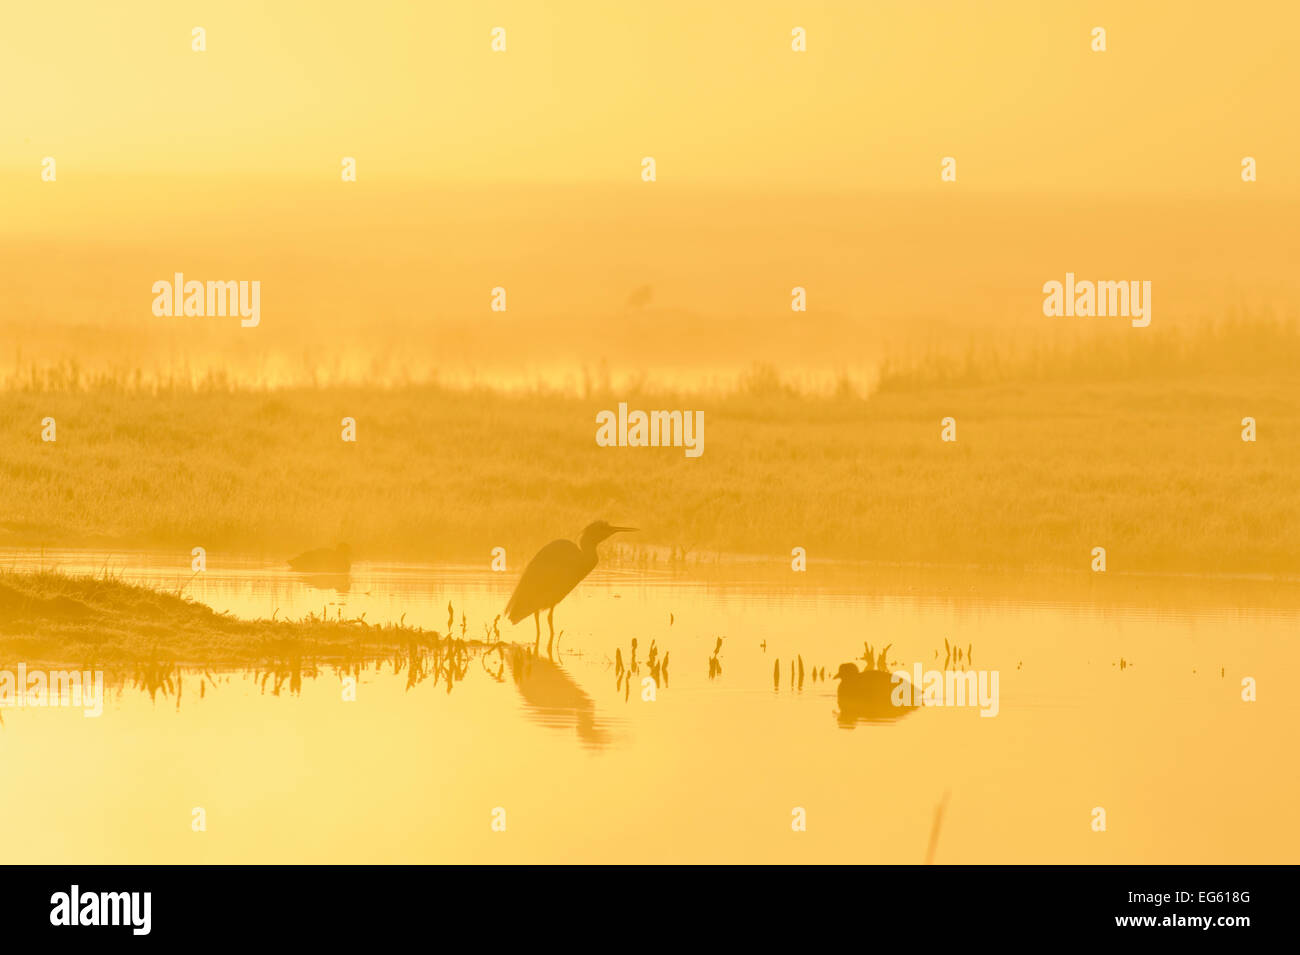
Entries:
{"x":1135,"y":711}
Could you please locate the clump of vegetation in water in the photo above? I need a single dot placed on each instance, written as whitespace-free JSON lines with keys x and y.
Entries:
{"x":49,"y":616}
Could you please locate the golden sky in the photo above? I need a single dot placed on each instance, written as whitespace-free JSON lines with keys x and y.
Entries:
{"x":712,"y":90}
{"x":522,"y":170}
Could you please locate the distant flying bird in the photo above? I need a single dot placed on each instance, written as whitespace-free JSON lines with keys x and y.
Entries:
{"x":326,"y":560}
{"x":641,"y":297}
{"x":557,"y":569}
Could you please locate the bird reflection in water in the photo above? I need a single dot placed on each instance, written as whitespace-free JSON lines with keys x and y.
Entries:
{"x":552,"y":698}
{"x":339,"y":583}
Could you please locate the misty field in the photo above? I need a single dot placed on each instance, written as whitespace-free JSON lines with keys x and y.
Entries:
{"x":1149,"y":463}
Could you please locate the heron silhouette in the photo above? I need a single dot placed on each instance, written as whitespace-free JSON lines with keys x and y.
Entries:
{"x":553,"y":572}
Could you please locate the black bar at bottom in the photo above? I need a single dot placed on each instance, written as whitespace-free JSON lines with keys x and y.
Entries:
{"x":331,"y":905}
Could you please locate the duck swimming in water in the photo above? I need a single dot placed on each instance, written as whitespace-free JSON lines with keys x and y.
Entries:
{"x":326,"y":560}
{"x":867,"y":695}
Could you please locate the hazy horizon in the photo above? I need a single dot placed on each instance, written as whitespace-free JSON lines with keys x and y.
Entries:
{"x":679,"y":285}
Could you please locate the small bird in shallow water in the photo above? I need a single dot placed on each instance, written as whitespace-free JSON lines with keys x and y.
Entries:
{"x":868,"y":694}
{"x":556,"y":570}
{"x":325,"y":560}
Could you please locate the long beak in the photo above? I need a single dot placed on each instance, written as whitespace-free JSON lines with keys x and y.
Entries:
{"x":615,"y":530}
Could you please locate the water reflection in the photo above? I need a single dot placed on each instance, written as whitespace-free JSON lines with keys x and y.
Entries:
{"x":725,"y":753}
{"x":656,"y":668}
{"x":550,"y":695}
{"x":552,"y":698}
{"x":443,"y":662}
{"x":339,"y":583}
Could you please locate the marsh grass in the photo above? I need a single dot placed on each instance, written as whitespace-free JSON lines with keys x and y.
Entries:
{"x":99,"y":620}
{"x":1056,"y":454}
{"x":1243,"y":344}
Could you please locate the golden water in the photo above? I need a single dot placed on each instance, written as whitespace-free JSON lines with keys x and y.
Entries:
{"x":713,"y":768}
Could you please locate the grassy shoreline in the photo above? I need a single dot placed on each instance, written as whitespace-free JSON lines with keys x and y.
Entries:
{"x":1042,"y":471}
{"x":53,"y":618}
{"x":49,"y":617}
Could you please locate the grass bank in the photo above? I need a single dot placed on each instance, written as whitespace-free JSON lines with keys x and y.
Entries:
{"x":49,"y":617}
{"x":1046,"y":466}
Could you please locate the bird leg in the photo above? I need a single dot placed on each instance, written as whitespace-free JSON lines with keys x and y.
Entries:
{"x":550,"y":622}
{"x":537,"y":619}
